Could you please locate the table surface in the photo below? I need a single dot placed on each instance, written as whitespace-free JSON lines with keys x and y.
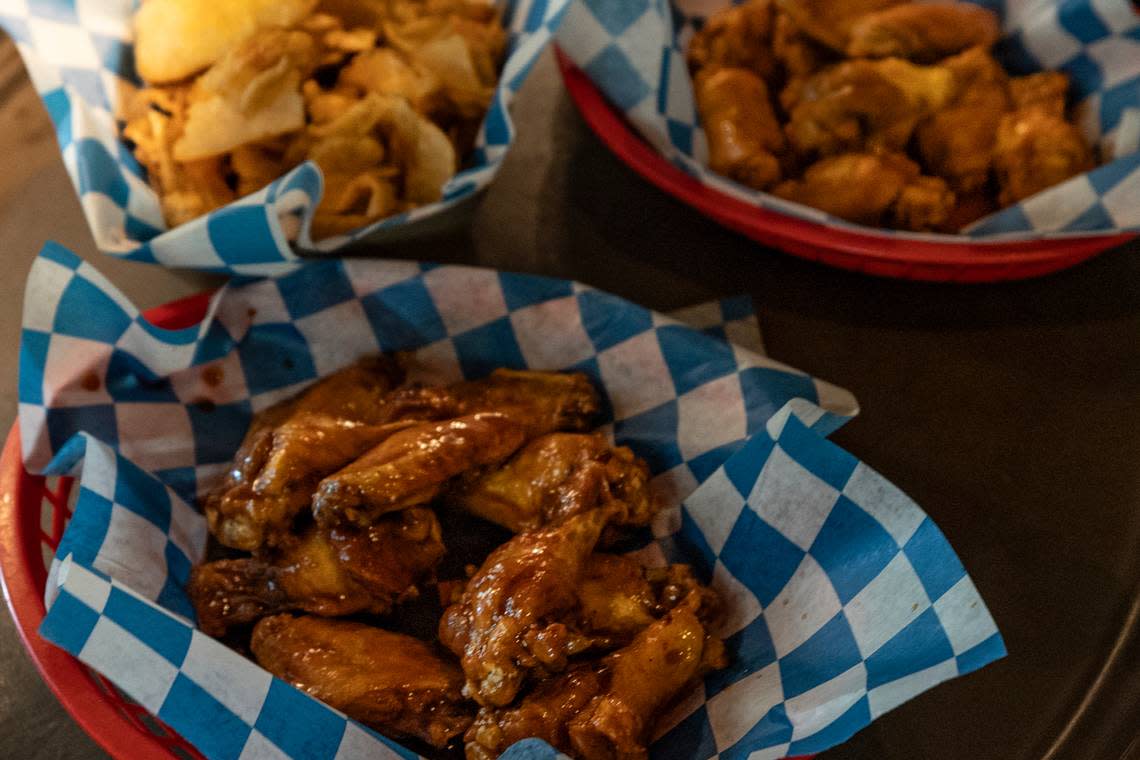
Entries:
{"x":1008,"y":412}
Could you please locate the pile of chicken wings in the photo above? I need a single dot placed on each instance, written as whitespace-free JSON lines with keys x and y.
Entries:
{"x":332,"y":512}
{"x":882,"y":112}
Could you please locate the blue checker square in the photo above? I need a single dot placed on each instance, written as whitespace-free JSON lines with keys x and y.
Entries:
{"x":204,"y":721}
{"x":487,"y":348}
{"x":749,"y":650}
{"x":623,"y":83}
{"x":772,"y":730}
{"x":182,"y":480}
{"x":33,"y":357}
{"x":920,"y":645}
{"x":766,"y":390}
{"x":817,"y":455}
{"x":403,"y":316}
{"x":299,"y":724}
{"x":54,"y":251}
{"x":608,"y":320}
{"x":1079,"y":19}
{"x":693,"y":358}
{"x":314,"y":287}
{"x":166,"y":636}
{"x":98,"y":170}
{"x":836,"y":732}
{"x":760,"y":557}
{"x":142,"y":493}
{"x":530,"y":749}
{"x":643,"y":433}
{"x":706,"y":464}
{"x":218,"y":429}
{"x":98,"y":419}
{"x":69,"y":622}
{"x":680,"y":135}
{"x":1094,"y":218}
{"x":689,"y":542}
{"x":85,"y":311}
{"x":172,"y":596}
{"x":129,"y":380}
{"x":745,"y":467}
{"x":1115,"y":100}
{"x":56,"y":10}
{"x":1085,"y":72}
{"x":88,"y":527}
{"x":829,"y":652}
{"x":616,"y":16}
{"x":241,"y":234}
{"x":521,"y":290}
{"x":853,"y":548}
{"x":274,"y":356}
{"x":691,"y":738}
{"x":989,"y":650}
{"x":935,"y":563}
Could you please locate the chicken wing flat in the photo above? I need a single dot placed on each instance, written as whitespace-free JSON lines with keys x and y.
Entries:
{"x":743,"y":133}
{"x":508,"y":619}
{"x":606,"y":709}
{"x":737,"y":38}
{"x":863,"y":105}
{"x":556,"y":476}
{"x":542,"y":402}
{"x":923,"y":32}
{"x":398,"y":685}
{"x":338,"y":571}
{"x":829,"y":21}
{"x":872,"y":189}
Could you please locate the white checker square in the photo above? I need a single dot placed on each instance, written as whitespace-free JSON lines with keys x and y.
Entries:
{"x":679,"y":103}
{"x":791,"y":499}
{"x":715,"y":507}
{"x":710,"y":416}
{"x":356,"y":744}
{"x":337,"y":336}
{"x":964,"y":616}
{"x":14,"y":8}
{"x":236,"y":682}
{"x":83,"y":584}
{"x":158,"y":357}
{"x":156,"y":436}
{"x":46,"y":284}
{"x":534,"y":325}
{"x":134,"y":552}
{"x":138,"y":670}
{"x":1054,"y":208}
{"x":74,"y":371}
{"x":779,"y":752}
{"x":641,"y":43}
{"x":834,"y":399}
{"x":1120,"y":201}
{"x":190,"y":247}
{"x":100,"y":469}
{"x":221,"y":381}
{"x":635,"y":375}
{"x":1117,"y":16}
{"x":435,"y":364}
{"x":666,"y":522}
{"x":1118,"y":57}
{"x":818,"y":708}
{"x":45,"y":77}
{"x":466,"y":298}
{"x":881,"y":499}
{"x":1047,"y":40}
{"x":580,"y":34}
{"x":187,"y":528}
{"x":732,"y":713}
{"x":887,"y":697}
{"x":107,"y":17}
{"x":257,"y":747}
{"x":745,"y":606}
{"x":34,"y":435}
{"x":63,"y":44}
{"x":802,"y":607}
{"x":886,"y":605}
{"x":368,"y":276}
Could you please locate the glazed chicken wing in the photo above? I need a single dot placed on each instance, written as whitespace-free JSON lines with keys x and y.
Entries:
{"x":798,"y":55}
{"x":542,"y":402}
{"x":1036,"y":150}
{"x":743,"y":134}
{"x":394,"y":683}
{"x":559,"y":475}
{"x":863,"y":105}
{"x":829,"y":21}
{"x":606,"y":709}
{"x":872,"y":188}
{"x":339,"y":571}
{"x":1045,"y":90}
{"x":508,"y":619}
{"x":736,"y":38}
{"x":924,"y":32}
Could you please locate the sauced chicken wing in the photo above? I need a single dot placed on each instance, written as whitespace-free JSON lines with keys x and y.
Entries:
{"x":736,"y":38}
{"x":1045,"y":90}
{"x":541,"y":402}
{"x":606,"y":709}
{"x":863,"y":105}
{"x":924,"y":32}
{"x":872,"y":188}
{"x":508,"y":619}
{"x":830,"y":21}
{"x":339,"y":571}
{"x":743,"y":134}
{"x":559,"y":475}
{"x":394,"y":683}
{"x":799,"y":56}
{"x":1036,"y":150}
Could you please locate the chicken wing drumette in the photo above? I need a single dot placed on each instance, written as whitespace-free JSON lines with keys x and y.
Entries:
{"x":923,"y":32}
{"x":744,"y":136}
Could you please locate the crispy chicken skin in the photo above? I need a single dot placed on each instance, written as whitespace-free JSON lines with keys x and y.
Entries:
{"x":1046,"y":90}
{"x":923,"y":32}
{"x":556,"y":476}
{"x":863,"y":105}
{"x":737,"y":38}
{"x":872,"y":189}
{"x":605,"y":710}
{"x":398,"y":685}
{"x":1036,"y":150}
{"x":508,"y":619}
{"x":339,"y":571}
{"x":743,"y":134}
{"x":829,"y":21}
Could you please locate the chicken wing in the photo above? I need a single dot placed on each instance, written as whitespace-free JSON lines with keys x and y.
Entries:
{"x":606,"y":709}
{"x":799,"y":56}
{"x":743,"y":133}
{"x":556,"y":476}
{"x":398,"y":685}
{"x":736,"y":38}
{"x":1036,"y":150}
{"x":508,"y":620}
{"x":957,"y":142}
{"x":1046,"y":90}
{"x":872,"y":188}
{"x":923,"y":32}
{"x":541,"y":402}
{"x":829,"y":21}
{"x":339,"y":571}
{"x":863,"y":105}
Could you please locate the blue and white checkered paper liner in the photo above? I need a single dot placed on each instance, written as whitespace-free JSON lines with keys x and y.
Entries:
{"x":633,"y":51}
{"x":79,"y":54}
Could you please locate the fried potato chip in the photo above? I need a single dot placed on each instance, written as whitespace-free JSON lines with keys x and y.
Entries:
{"x":449,"y":59}
{"x":386,"y":72}
{"x":176,"y":38}
{"x":339,"y":154}
{"x":354,"y":201}
{"x":256,"y":165}
{"x":325,"y":105}
{"x":420,"y":147}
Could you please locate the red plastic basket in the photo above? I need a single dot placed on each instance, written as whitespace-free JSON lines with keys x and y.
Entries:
{"x":867,"y":252}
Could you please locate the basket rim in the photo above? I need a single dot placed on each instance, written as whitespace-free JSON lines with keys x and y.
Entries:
{"x":971,"y":260}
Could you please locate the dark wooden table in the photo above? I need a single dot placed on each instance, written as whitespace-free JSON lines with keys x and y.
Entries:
{"x":1009,"y":412}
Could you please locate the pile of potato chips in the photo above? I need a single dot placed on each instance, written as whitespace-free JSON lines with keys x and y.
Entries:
{"x":385,"y":96}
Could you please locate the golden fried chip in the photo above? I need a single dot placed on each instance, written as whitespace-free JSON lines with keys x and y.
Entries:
{"x":385,"y":72}
{"x":420,"y":148}
{"x":340,"y":154}
{"x":175,"y":38}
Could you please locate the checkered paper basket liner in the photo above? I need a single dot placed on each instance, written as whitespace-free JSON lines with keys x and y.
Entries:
{"x":80,"y":57}
{"x":844,"y":599}
{"x":633,"y":51}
